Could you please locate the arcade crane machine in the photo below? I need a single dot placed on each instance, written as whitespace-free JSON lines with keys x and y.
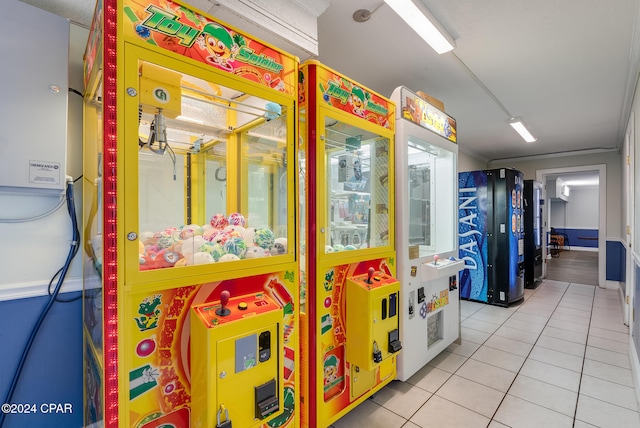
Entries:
{"x":349,"y":315}
{"x":191,"y":308}
{"x":426,"y":226}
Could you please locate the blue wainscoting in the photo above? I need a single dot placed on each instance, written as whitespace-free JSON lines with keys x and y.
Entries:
{"x":616,"y":261}
{"x":52,"y":373}
{"x":636,"y":309}
{"x":587,"y":238}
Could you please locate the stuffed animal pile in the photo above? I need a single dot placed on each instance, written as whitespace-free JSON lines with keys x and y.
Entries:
{"x":225,"y":238}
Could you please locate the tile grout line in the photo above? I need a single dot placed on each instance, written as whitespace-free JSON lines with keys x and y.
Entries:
{"x":527,"y":357}
{"x":408,"y":420}
{"x":453,"y":373}
{"x":534,"y":293}
{"x":584,"y":358}
{"x":482,"y":344}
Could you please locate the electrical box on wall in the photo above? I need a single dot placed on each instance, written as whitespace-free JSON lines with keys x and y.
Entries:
{"x":33,"y":105}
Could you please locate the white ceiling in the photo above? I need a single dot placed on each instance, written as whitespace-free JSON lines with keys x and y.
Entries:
{"x":568,"y":68}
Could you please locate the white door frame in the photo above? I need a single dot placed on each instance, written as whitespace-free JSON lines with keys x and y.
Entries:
{"x":629,"y":177}
{"x":602,"y":212}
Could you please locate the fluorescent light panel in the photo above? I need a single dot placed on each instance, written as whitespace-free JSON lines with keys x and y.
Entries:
{"x":424,"y":23}
{"x":518,"y":124}
{"x":584,"y":182}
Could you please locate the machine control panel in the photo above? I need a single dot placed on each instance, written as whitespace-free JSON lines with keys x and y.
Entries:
{"x":372,"y":318}
{"x":440,"y":268}
{"x":373,"y":279}
{"x":230,"y":309}
{"x":237,"y":359}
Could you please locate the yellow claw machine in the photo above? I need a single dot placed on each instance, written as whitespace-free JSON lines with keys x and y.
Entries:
{"x":350,"y":305}
{"x":191,"y":273}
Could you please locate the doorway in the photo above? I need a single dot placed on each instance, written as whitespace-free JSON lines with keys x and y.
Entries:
{"x":600,"y":206}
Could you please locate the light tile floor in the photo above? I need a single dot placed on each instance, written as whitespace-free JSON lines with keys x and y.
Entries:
{"x":558,"y":359}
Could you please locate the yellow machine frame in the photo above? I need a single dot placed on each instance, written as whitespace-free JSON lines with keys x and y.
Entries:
{"x":136,"y":322}
{"x":328,"y":299}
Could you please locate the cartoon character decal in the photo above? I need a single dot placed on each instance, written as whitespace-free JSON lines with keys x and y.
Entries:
{"x":328,"y":280}
{"x":334,"y":378}
{"x":359,"y":100}
{"x":149,"y":313}
{"x":221,"y":45}
{"x":341,"y":93}
{"x":331,"y":370}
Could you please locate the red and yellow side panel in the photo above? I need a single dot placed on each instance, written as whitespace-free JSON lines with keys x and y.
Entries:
{"x":334,"y":393}
{"x":157,"y":357}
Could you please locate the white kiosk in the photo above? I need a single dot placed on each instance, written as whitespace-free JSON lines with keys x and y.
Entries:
{"x":426,"y":230}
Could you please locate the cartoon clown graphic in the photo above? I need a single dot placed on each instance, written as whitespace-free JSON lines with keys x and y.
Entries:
{"x":331,"y":370}
{"x":358,"y":100}
{"x":220,"y":44}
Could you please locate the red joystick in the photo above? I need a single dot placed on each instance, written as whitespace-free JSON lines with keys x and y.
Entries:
{"x":370,"y":273}
{"x":224,"y":300}
{"x":435,"y":259}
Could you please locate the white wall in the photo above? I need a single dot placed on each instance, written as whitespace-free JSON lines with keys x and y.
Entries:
{"x":467,"y":162}
{"x":580,"y":212}
{"x":612,"y":160}
{"x":32,"y":252}
{"x":632,"y":287}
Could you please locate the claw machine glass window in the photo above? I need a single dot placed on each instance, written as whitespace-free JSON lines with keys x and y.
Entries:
{"x":357,"y":176}
{"x":431,"y":184}
{"x":212,"y":172}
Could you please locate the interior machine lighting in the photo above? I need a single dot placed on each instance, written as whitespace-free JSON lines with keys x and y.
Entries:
{"x":521,"y":128}
{"x":267,"y":137}
{"x":190,"y":120}
{"x":424,"y":23}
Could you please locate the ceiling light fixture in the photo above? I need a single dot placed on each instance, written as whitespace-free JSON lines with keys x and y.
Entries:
{"x":521,"y":128}
{"x":424,"y":23}
{"x":584,"y":182}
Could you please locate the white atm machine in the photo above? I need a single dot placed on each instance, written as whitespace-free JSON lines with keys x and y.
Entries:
{"x":426,"y":230}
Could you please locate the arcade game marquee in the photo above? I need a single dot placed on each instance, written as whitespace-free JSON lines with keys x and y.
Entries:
{"x":191,"y":277}
{"x":349,"y":315}
{"x":426,"y":230}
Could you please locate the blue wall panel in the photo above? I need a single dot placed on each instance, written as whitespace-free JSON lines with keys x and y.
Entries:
{"x":636,"y":308}
{"x":53,"y":371}
{"x":616,"y":261}
{"x":579,"y":237}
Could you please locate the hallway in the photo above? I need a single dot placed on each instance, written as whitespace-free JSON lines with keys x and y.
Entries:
{"x":557,"y":359}
{"x":576,"y":266}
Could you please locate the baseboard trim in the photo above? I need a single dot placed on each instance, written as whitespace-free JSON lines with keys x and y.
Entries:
{"x":25,"y":290}
{"x":612,"y":285}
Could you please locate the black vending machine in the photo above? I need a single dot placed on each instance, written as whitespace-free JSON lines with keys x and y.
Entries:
{"x":491,"y":235}
{"x":533,"y":260}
